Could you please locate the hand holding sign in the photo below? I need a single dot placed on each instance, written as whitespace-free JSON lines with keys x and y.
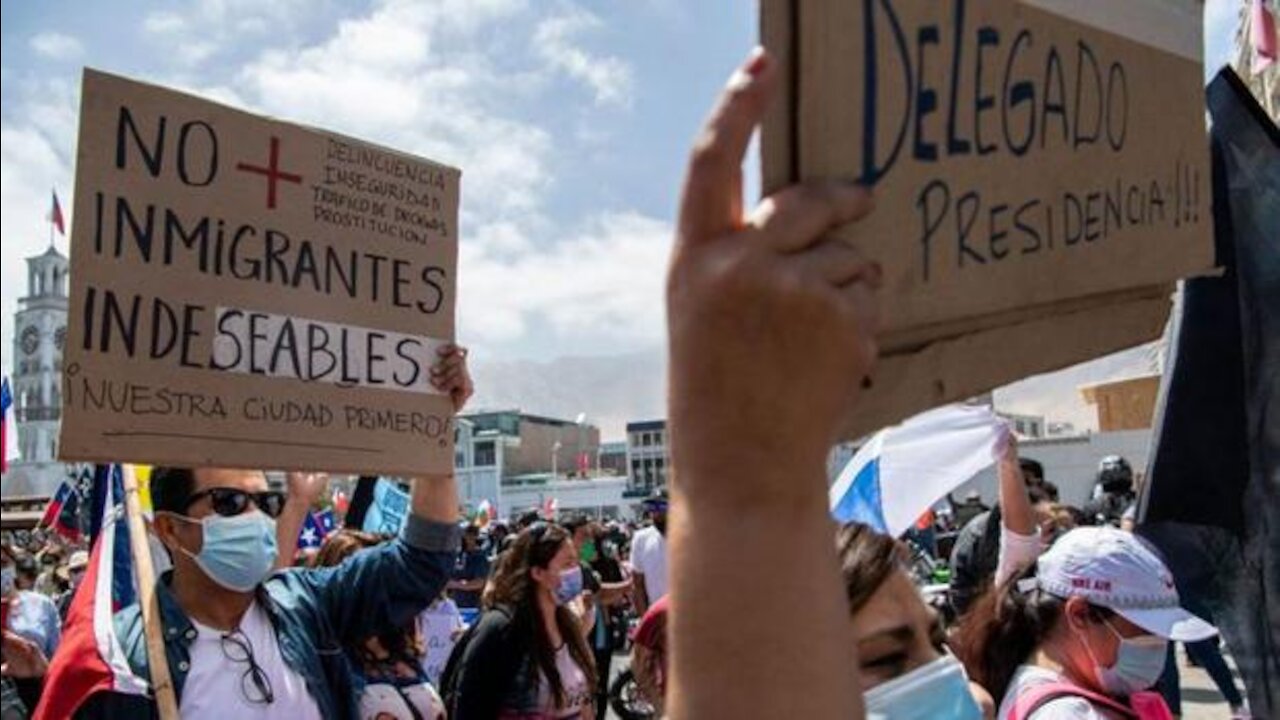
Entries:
{"x":771,"y":323}
{"x":450,"y":375}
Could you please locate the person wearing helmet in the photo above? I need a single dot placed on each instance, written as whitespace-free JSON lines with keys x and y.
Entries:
{"x":1113,"y":492}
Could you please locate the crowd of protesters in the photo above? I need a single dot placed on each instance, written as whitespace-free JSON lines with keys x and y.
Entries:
{"x":752,"y":605}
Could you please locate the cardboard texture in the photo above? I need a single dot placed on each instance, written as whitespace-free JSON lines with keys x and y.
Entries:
{"x":963,"y":367}
{"x":1040,"y":170}
{"x":252,"y":293}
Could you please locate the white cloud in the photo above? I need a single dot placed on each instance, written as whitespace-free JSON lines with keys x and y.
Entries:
{"x":57,"y":46}
{"x":602,"y":283}
{"x":210,"y":26}
{"x":29,"y":167}
{"x":608,"y":77}
{"x":415,"y":77}
{"x":457,"y":81}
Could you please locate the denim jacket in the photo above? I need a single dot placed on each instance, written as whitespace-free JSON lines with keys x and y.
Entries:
{"x":315,"y":613}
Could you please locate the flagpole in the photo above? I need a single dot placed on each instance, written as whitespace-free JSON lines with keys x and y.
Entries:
{"x":148,"y":601}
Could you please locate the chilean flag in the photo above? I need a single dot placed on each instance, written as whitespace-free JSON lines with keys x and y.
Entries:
{"x":62,"y":514}
{"x":313,"y":533}
{"x":89,"y":658}
{"x":6,"y":399}
{"x":903,"y":470}
{"x":55,"y":216}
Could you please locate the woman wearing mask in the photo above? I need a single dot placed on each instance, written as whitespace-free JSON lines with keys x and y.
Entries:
{"x":527,"y":657}
{"x":906,"y":668}
{"x":906,"y":671}
{"x":390,"y":677}
{"x":1081,"y":635}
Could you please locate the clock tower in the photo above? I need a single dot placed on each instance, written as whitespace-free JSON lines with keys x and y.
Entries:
{"x":40,"y":332}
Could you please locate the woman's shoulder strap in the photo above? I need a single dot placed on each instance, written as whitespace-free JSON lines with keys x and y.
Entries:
{"x":1036,"y":696}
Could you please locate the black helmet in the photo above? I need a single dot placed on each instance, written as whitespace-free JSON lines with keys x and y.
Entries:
{"x":1115,"y":475}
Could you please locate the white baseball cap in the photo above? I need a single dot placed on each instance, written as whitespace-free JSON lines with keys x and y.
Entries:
{"x":1114,"y":569}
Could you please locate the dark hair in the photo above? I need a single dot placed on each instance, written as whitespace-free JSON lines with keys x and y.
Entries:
{"x":573,"y":524}
{"x":1004,"y":626}
{"x":1031,"y":467}
{"x":513,"y":587}
{"x":402,"y":644}
{"x":867,"y":558}
{"x":1037,"y":495}
{"x":171,"y":487}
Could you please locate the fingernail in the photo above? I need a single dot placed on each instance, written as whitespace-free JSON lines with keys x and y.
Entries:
{"x":756,"y":62}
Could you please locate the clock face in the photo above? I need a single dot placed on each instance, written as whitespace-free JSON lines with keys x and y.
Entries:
{"x":30,"y":339}
{"x":60,"y":338}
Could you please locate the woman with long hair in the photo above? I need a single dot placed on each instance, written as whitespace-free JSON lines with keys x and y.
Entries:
{"x":1082,"y":634}
{"x":528,"y":658}
{"x":389,"y":673}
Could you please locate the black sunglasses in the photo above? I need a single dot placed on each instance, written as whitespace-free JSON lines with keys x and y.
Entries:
{"x":229,"y":502}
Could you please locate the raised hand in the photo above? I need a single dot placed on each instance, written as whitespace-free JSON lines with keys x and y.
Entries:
{"x":306,"y":487}
{"x":22,"y":658}
{"x":772,"y":322}
{"x":450,"y":375}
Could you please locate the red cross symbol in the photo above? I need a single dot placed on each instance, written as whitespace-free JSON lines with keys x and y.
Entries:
{"x":272,"y":172}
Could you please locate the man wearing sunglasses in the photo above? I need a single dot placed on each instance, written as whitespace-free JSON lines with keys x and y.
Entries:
{"x":245,"y":641}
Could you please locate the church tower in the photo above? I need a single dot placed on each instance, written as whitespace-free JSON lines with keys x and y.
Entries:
{"x":40,"y":332}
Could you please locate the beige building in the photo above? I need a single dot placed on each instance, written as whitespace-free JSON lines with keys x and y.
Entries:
{"x":1125,"y":404}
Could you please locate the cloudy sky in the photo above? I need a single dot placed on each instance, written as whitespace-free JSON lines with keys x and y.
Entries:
{"x":570,"y":120}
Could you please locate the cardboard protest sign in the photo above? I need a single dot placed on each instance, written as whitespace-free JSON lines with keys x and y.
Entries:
{"x":252,"y":293}
{"x":1023,"y":154}
{"x":1040,"y":170}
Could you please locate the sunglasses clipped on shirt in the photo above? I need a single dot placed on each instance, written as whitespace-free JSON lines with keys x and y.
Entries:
{"x":229,"y":502}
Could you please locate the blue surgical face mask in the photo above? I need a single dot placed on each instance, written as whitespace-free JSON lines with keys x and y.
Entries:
{"x":1139,"y":664}
{"x":238,"y":551}
{"x":936,"y":691}
{"x":570,"y":585}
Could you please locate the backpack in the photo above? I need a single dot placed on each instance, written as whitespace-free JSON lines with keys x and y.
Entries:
{"x":1142,"y":706}
{"x":449,"y":679}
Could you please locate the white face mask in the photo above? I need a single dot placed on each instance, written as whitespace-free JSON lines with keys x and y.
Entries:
{"x":939,"y":689}
{"x":1139,"y":664}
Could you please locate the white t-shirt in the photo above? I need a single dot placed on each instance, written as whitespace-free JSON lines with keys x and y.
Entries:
{"x":1064,"y":708}
{"x":577,"y":694}
{"x":216,"y":685}
{"x":381,"y":701}
{"x":649,"y":557}
{"x":439,"y":625}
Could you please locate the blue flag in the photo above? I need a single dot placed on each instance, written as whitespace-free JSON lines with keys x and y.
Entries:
{"x":326,"y":521}
{"x":388,"y":510}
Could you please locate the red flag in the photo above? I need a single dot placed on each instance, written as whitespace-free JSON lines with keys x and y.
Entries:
{"x":89,"y":658}
{"x":1264,"y":36}
{"x":55,"y":216}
